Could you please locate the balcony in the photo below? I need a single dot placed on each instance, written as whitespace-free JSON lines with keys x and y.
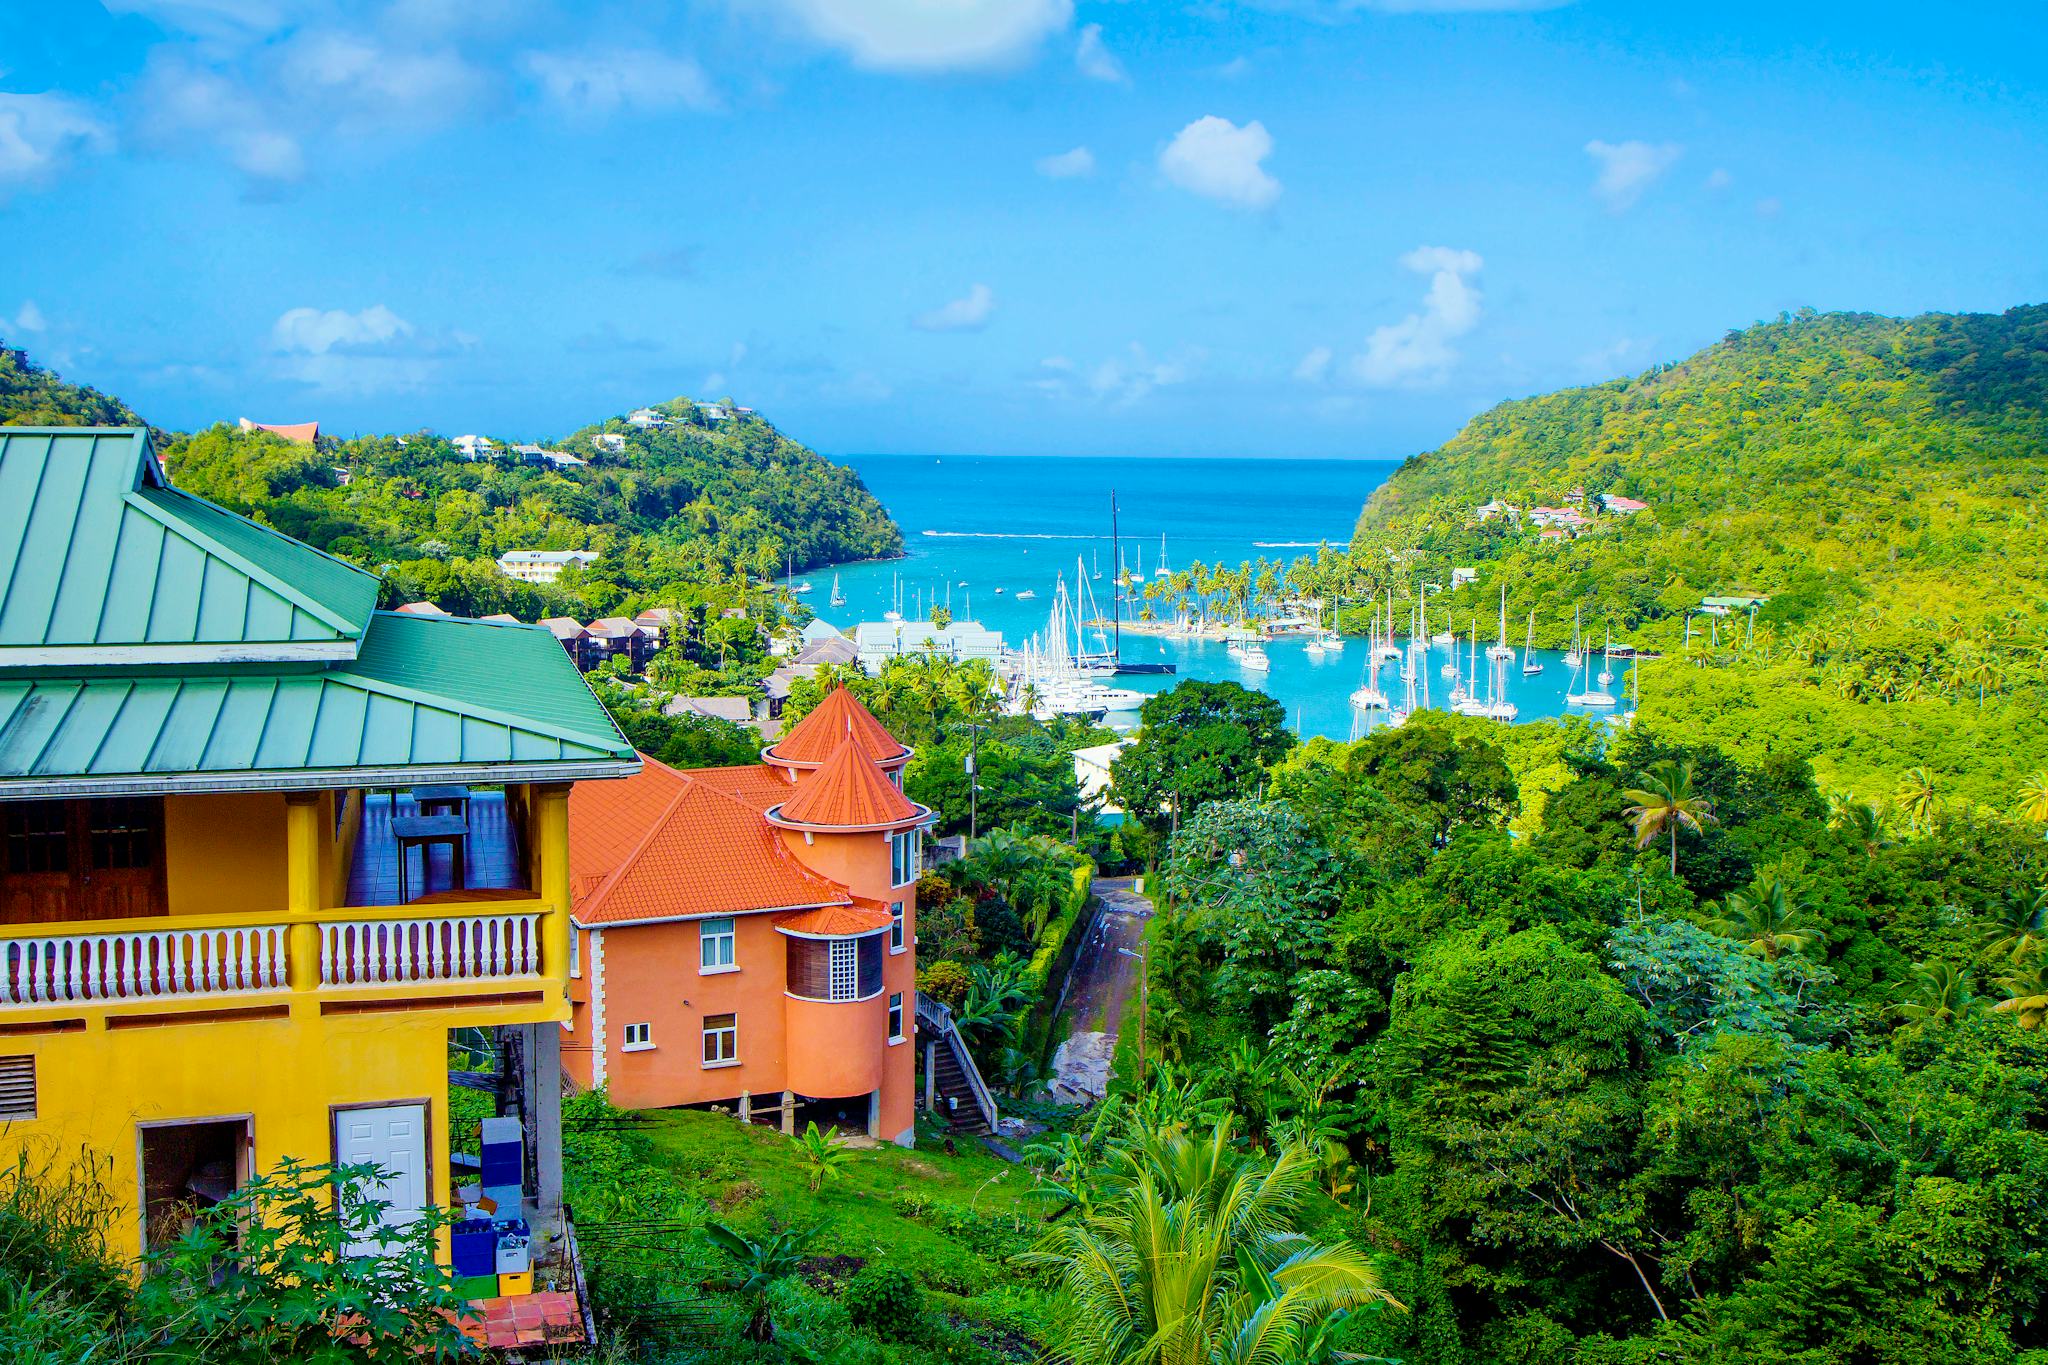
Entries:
{"x":483,"y":937}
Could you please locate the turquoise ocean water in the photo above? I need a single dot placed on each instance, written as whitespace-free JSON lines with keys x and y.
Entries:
{"x":975,"y":523}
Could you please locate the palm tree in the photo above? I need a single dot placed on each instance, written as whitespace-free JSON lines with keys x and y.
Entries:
{"x":2034,"y":797}
{"x":1195,"y":1260}
{"x":1665,"y":802}
{"x":2020,"y":925}
{"x":1917,"y":796}
{"x":2026,"y":991}
{"x":761,"y":1264}
{"x":1939,"y":993}
{"x":1865,"y":823}
{"x":1769,"y":917}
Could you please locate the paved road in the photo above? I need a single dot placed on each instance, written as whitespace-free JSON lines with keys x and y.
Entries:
{"x":1101,"y":993}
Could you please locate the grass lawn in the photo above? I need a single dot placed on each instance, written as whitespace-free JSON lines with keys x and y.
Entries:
{"x":643,"y":1185}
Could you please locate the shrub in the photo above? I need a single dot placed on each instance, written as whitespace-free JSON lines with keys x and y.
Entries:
{"x":945,"y":981}
{"x":886,"y":1301}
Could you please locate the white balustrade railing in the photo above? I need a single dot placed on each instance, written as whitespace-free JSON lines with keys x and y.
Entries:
{"x":151,"y":964}
{"x":471,"y":947}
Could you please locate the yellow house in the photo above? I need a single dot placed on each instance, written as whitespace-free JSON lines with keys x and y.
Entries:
{"x":262,"y":847}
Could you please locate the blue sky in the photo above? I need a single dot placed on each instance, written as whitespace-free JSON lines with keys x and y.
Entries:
{"x":1299,"y":227}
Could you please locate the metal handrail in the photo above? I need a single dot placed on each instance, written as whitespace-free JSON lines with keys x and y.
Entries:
{"x":940,"y":1016}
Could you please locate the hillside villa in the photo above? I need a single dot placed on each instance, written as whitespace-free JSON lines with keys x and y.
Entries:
{"x":747,"y":936}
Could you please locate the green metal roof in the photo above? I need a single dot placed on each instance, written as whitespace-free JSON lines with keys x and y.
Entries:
{"x":104,"y":563}
{"x":428,"y":698}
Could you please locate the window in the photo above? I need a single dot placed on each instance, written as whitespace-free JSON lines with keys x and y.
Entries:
{"x":904,"y":850}
{"x":835,"y":969}
{"x":575,"y":952}
{"x":639,"y":1038}
{"x":896,"y":1017}
{"x":715,"y":946}
{"x":99,"y":859}
{"x":721,"y":1039}
{"x":17,"y":1087}
{"x":845,"y":968}
{"x":896,"y":927}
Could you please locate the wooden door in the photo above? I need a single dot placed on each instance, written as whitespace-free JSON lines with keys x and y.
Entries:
{"x":81,"y":860}
{"x":119,"y":849}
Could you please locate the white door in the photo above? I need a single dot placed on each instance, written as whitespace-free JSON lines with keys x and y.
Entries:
{"x":394,"y":1138}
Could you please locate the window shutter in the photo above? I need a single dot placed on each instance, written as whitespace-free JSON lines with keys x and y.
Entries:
{"x":17,"y":1087}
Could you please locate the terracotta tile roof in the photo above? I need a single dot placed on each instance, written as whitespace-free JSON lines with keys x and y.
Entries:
{"x":662,"y":844}
{"x":835,"y":921}
{"x":812,"y":740}
{"x":757,"y":784}
{"x":849,"y":791}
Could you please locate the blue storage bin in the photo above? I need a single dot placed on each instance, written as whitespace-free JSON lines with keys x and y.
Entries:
{"x":473,"y":1246}
{"x":501,"y":1166}
{"x":507,"y":1198}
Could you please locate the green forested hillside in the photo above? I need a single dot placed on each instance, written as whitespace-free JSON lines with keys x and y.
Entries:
{"x":698,"y":503}
{"x":1879,"y":478}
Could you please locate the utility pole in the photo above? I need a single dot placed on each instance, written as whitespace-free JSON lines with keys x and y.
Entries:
{"x":973,"y":781}
{"x":1144,"y":1003}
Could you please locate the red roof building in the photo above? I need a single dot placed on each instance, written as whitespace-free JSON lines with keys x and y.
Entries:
{"x":749,"y":931}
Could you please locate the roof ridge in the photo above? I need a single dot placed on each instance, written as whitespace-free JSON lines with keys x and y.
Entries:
{"x":290,"y":591}
{"x":777,"y":846}
{"x":609,"y":882}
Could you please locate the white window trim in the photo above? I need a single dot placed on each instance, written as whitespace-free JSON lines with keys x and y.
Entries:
{"x":734,"y":936}
{"x":575,"y":953}
{"x":901,"y":1009}
{"x":645,"y":1046}
{"x":718,"y":971}
{"x":899,"y":923}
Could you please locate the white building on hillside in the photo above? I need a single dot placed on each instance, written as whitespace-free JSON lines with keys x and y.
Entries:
{"x":542,"y":566}
{"x":874,"y":641}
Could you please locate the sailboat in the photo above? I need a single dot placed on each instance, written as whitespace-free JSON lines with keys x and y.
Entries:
{"x":1530,"y":666}
{"x":1472,"y":704}
{"x":895,"y":612}
{"x":1386,"y":650}
{"x":1367,"y":695}
{"x":1576,"y":655}
{"x":1607,"y":659}
{"x":838,"y":597}
{"x":1501,"y":649}
{"x":1590,"y":697}
{"x":1162,"y":571}
{"x":1095,"y":564}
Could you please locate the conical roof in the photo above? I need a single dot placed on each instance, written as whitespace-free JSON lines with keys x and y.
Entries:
{"x":848,"y":792}
{"x":813,"y":739}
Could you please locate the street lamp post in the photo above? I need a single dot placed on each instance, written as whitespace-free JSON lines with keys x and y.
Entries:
{"x":1144,"y":1001}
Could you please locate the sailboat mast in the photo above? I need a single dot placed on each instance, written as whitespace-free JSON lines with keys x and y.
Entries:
{"x":1116,"y":553}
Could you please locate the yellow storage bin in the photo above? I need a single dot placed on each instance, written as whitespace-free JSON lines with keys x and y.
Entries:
{"x":511,"y":1286}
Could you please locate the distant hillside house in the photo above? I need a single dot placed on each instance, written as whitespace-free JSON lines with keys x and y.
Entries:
{"x":1567,"y":518}
{"x":1620,"y":506}
{"x":715,"y":412}
{"x":473,"y":447}
{"x":611,"y":636}
{"x":575,"y":639}
{"x":542,"y":566}
{"x":833,"y":649}
{"x":738,"y":710}
{"x":421,"y":609}
{"x":1487,"y":511}
{"x":298,"y":433}
{"x":609,"y":440}
{"x":1460,"y":577}
{"x":645,"y":418}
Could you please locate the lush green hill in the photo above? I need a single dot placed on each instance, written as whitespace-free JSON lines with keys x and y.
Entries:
{"x":31,"y":396}
{"x":1880,"y":478}
{"x":676,"y":511}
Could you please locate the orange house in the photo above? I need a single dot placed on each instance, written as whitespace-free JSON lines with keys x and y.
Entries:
{"x":747,"y":935}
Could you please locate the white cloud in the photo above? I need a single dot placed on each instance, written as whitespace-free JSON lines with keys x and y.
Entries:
{"x":1215,"y":158}
{"x":1719,"y":178}
{"x":1629,"y":168}
{"x":207,"y":18}
{"x":1096,"y":61}
{"x":1770,"y":206}
{"x":1235,"y":69}
{"x":30,"y":318}
{"x":1311,"y":368}
{"x":930,"y":35}
{"x":1425,"y":6}
{"x":968,"y":313}
{"x":601,"y":81}
{"x":316,"y":331}
{"x":1119,"y":381}
{"x":1618,"y":357}
{"x":358,"y":83}
{"x":183,"y":103}
{"x":1417,"y":350}
{"x":41,"y":134}
{"x":1067,"y":165}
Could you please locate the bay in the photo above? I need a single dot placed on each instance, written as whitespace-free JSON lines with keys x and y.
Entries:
{"x":972,"y":524}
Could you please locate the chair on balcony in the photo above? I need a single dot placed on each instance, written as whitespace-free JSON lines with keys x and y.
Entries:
{"x":423,"y":832}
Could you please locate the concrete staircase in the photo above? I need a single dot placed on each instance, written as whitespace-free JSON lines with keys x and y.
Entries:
{"x":953,"y":1087}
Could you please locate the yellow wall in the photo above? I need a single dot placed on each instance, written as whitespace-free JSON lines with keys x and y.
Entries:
{"x":225,"y":853}
{"x":95,"y":1087}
